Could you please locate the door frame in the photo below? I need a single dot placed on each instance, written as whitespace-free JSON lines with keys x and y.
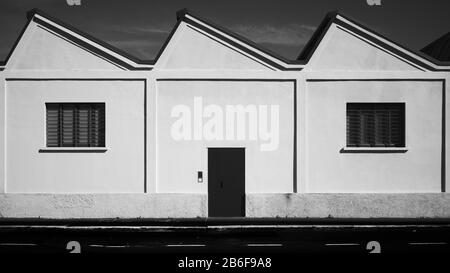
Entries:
{"x":245,"y":175}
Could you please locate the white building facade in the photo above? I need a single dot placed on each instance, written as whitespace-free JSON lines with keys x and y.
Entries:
{"x":215,"y":126}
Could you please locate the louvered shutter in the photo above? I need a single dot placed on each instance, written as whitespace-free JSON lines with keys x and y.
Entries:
{"x":97,"y":122}
{"x":397,"y":126}
{"x":68,"y":126}
{"x":83,"y":126}
{"x":375,"y":124}
{"x":52,"y":125}
{"x":75,"y":125}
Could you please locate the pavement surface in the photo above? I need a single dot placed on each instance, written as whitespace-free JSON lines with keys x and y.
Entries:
{"x":225,"y":236}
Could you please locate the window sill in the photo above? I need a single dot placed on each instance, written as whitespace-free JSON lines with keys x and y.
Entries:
{"x":73,"y":150}
{"x":372,"y":150}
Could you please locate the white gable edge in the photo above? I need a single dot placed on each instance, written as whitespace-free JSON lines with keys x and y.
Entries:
{"x":222,"y":36}
{"x":92,"y":43}
{"x":36,"y":18}
{"x":338,"y":27}
{"x":214,"y":38}
{"x":390,"y":43}
{"x":177,"y":40}
{"x":241,"y":43}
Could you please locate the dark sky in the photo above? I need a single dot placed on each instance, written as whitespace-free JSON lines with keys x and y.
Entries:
{"x":283,"y":26}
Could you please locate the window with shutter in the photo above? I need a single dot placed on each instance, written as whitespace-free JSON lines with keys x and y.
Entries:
{"x":75,"y":124}
{"x":375,"y":125}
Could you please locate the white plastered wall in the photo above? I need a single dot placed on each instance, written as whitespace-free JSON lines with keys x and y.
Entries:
{"x":179,"y":161}
{"x":190,"y":55}
{"x":416,"y":170}
{"x":119,"y":169}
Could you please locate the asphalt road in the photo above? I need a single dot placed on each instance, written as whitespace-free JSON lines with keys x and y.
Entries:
{"x":225,"y":237}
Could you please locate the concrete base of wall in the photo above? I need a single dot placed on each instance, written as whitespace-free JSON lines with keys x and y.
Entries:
{"x":58,"y":206}
{"x":426,"y":205}
{"x":73,"y":206}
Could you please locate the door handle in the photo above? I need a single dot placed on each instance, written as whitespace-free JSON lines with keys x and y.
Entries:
{"x":221,"y":184}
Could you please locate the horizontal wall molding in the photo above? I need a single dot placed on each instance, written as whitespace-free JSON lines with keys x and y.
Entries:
{"x":378,"y":80}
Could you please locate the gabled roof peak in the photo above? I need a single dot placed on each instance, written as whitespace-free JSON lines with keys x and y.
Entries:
{"x":182,"y":12}
{"x":241,"y":43}
{"x":352,"y":25}
{"x":317,"y":36}
{"x":85,"y":40}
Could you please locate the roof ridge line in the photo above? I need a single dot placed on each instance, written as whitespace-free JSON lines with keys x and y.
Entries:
{"x":253,"y":49}
{"x":181,"y":14}
{"x":401,"y":47}
{"x":99,"y":42}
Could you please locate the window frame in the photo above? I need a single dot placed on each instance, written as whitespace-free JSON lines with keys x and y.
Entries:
{"x":377,"y":149}
{"x":50,"y":149}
